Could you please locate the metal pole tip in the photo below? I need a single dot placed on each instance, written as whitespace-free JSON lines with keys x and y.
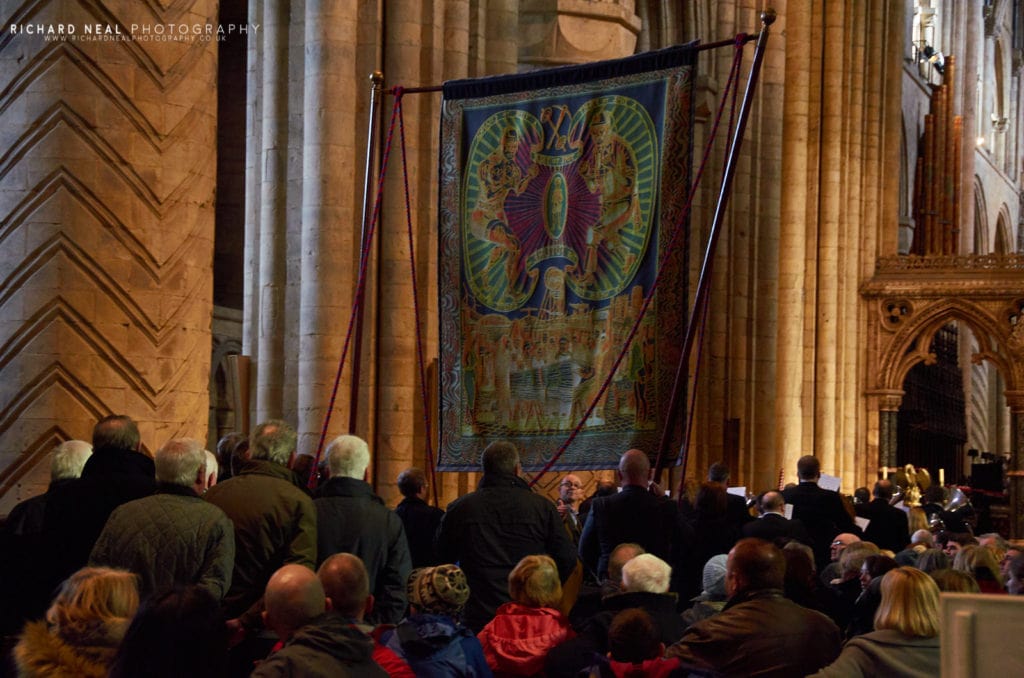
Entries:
{"x":768,"y":16}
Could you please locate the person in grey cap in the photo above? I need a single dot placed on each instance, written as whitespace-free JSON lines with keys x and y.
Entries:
{"x":431,"y":639}
{"x":713,"y":596}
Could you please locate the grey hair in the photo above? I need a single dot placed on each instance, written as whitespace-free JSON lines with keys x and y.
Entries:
{"x":69,"y":459}
{"x":348,"y":456}
{"x":273,"y":440}
{"x":117,"y":431}
{"x":646,"y":572}
{"x":178,"y":462}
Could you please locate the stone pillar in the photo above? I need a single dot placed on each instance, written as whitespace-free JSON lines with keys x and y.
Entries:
{"x":1015,"y":399}
{"x":793,"y":372}
{"x":106,"y":227}
{"x":270,"y":295}
{"x":330,"y":224}
{"x":559,"y":32}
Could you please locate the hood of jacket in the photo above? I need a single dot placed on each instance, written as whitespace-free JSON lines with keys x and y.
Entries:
{"x":333,"y":635}
{"x":86,"y":650}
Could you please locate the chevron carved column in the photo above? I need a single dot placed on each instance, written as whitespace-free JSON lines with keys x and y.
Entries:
{"x":107,"y":171}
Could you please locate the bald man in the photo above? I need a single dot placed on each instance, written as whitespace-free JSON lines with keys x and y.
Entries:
{"x":317,"y":642}
{"x":772,"y":525}
{"x":636,"y":515}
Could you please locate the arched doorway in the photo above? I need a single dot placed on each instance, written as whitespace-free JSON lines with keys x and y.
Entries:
{"x":916,"y":300}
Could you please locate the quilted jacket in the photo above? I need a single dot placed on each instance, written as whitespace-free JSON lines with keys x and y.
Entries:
{"x":172,"y":537}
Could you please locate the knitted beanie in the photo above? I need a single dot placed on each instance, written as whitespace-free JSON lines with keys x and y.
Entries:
{"x":440,"y":589}
{"x":714,"y":578}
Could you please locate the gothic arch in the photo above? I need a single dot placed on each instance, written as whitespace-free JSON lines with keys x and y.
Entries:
{"x":910,"y":345}
{"x":1003,"y":239}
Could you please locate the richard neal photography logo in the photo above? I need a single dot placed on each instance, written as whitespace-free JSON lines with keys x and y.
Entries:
{"x":103,"y":32}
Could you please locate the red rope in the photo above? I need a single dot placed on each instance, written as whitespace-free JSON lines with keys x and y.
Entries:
{"x":398,"y":92}
{"x":669,"y":252}
{"x":364,"y":258}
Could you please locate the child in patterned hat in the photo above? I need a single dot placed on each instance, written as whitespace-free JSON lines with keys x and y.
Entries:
{"x":430,"y":638}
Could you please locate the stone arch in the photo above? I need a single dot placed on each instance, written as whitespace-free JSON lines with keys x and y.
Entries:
{"x":910,"y":345}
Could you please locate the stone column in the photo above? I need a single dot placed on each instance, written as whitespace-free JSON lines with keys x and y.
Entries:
{"x":795,"y":256}
{"x":106,"y":226}
{"x":330,"y":222}
{"x":270,"y":295}
{"x":1015,"y":399}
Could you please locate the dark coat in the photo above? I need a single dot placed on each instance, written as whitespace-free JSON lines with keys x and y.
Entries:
{"x":490,"y":530}
{"x":22,"y":533}
{"x":75,"y":514}
{"x":760,"y":633}
{"x":421,"y":521}
{"x":772,"y":526}
{"x":823,"y":514}
{"x":170,"y":538}
{"x":633,"y":515}
{"x":889,"y":528}
{"x":329,"y":646}
{"x":275,"y":524}
{"x":352,"y":519}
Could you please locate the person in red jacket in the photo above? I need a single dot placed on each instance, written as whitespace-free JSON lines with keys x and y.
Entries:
{"x":522,"y":633}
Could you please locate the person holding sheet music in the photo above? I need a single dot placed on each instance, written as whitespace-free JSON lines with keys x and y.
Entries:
{"x":821,"y":511}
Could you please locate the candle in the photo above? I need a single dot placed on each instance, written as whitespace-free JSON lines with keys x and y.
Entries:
{"x":885,"y":471}
{"x":942,"y":476}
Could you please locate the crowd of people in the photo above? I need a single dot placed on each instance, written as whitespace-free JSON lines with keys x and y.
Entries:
{"x":195,"y":564}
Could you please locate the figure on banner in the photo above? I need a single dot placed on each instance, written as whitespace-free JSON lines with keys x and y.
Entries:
{"x":500,"y":175}
{"x":609,"y":171}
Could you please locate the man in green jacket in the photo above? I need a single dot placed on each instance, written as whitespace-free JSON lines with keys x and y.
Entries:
{"x":275,"y":521}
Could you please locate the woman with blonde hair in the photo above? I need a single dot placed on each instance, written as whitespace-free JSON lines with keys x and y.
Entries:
{"x":518,"y":639}
{"x":83,"y":627}
{"x":905,"y":641}
{"x":981,"y":562}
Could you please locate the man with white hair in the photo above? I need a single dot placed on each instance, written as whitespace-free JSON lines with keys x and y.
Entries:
{"x":352,"y":519}
{"x":22,"y":533}
{"x":645,"y":583}
{"x":172,"y":537}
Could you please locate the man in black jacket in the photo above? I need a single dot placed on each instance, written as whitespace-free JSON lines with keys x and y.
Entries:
{"x":352,"y":519}
{"x":419,"y":518}
{"x":821,"y":511}
{"x":888,"y":527}
{"x":772,"y":524}
{"x":116,"y":473}
{"x":490,"y":530}
{"x":637,"y":515}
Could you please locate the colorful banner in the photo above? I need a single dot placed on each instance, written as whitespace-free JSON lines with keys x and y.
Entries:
{"x":560,"y":191}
